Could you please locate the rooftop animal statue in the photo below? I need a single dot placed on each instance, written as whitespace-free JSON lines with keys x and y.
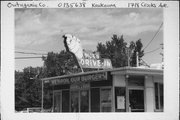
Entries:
{"x":73,"y":45}
{"x":85,"y":58}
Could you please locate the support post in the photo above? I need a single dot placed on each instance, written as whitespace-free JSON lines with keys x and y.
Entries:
{"x":128,"y":56}
{"x":42,"y":96}
{"x":79,"y":64}
{"x":137,"y":59}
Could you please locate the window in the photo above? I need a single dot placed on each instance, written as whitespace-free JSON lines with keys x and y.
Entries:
{"x":95,"y":100}
{"x":65,"y":101}
{"x":120,"y":105}
{"x":136,"y":100}
{"x":106,"y":100}
{"x":84,"y":101}
{"x":159,"y":100}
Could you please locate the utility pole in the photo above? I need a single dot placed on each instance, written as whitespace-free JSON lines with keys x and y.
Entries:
{"x":128,"y":58}
{"x":128,"y":54}
{"x":137,"y":59}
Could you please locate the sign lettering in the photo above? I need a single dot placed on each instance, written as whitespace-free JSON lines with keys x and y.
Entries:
{"x":95,"y":63}
{"x":82,"y":78}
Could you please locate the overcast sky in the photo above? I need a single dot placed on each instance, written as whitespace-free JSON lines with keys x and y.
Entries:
{"x":40,"y":30}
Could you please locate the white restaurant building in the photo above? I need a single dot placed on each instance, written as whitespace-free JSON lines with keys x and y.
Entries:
{"x":127,"y":89}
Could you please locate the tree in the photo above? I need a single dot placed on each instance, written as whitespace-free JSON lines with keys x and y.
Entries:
{"x":117,"y":50}
{"x":28,"y":88}
{"x":57,"y":64}
{"x":19,"y":88}
{"x":136,"y":48}
{"x":114,"y":50}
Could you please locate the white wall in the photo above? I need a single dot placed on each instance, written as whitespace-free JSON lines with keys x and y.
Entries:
{"x":149,"y":94}
{"x":149,"y":98}
{"x":119,"y":80}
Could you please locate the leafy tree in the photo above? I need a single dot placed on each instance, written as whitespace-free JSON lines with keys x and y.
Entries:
{"x":114,"y":50}
{"x":134,"y":48}
{"x":118,"y":51}
{"x":28,"y":88}
{"x":57,"y":64}
{"x":19,"y":88}
{"x":63,"y":63}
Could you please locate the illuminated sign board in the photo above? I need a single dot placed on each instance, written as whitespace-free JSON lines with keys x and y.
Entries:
{"x":82,"y":78}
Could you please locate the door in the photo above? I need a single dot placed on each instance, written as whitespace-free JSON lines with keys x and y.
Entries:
{"x":106,"y":98}
{"x":136,"y":100}
{"x":57,"y":101}
{"x":95,"y":99}
{"x":74,"y":101}
{"x":65,"y":101}
{"x":84,"y":101}
{"x":80,"y":101}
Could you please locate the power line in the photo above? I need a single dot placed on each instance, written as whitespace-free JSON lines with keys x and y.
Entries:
{"x":30,"y":53}
{"x":28,"y":57}
{"x":145,"y":62}
{"x":154,"y":36}
{"x":30,"y":49}
{"x":152,"y":50}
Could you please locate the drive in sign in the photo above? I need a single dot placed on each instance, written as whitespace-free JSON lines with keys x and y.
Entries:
{"x":86,"y":59}
{"x":95,"y":63}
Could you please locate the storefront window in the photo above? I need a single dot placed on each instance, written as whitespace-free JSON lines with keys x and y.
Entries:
{"x":74,"y":101}
{"x":161,"y":96}
{"x":106,"y":100}
{"x":136,"y":100}
{"x":120,"y":99}
{"x":57,"y":101}
{"x":84,"y":101}
{"x":159,"y":101}
{"x":65,"y":101}
{"x":95,"y":100}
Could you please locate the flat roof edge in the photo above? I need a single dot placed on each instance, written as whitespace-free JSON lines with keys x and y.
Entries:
{"x":127,"y":70}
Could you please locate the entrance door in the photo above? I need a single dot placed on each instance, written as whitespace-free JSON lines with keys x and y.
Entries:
{"x":136,"y":100}
{"x":80,"y":101}
{"x":84,"y":101}
{"x":57,"y":101}
{"x":74,"y":101}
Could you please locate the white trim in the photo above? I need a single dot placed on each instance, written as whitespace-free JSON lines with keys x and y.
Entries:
{"x":122,"y":70}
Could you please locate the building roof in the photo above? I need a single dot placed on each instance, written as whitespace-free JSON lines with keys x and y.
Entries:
{"x":122,"y":70}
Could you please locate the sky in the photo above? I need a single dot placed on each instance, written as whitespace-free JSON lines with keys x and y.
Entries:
{"x":40,"y":30}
